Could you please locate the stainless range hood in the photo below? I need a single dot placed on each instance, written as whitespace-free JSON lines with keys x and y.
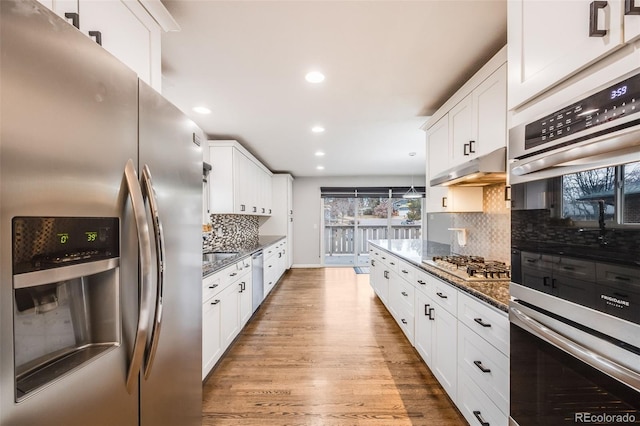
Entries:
{"x":487,"y":169}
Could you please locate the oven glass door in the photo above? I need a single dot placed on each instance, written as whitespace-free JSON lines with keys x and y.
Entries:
{"x":550,"y":387}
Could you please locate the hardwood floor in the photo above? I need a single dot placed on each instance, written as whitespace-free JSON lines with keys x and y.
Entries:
{"x":323,"y":350}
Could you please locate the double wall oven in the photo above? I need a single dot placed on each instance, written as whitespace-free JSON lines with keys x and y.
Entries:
{"x":575,"y":290}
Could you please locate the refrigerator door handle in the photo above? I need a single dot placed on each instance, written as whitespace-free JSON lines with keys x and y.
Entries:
{"x":144,"y":246}
{"x":149,"y":192}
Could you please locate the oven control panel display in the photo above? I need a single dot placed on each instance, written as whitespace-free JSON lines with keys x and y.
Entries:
{"x":610,"y":104}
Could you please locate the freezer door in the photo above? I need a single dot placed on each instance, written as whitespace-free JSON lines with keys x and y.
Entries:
{"x":69,"y":125}
{"x":171,"y":388}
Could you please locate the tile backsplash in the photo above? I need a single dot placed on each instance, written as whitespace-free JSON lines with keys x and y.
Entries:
{"x":488,"y":232}
{"x":231,"y":231}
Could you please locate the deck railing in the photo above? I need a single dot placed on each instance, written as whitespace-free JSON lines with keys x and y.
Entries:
{"x":339,"y":239}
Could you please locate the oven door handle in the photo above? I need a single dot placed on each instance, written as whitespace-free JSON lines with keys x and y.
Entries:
{"x":619,"y":372}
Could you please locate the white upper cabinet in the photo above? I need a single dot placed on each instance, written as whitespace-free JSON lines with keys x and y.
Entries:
{"x":489,"y":109}
{"x":631,"y":23}
{"x":239,"y":183}
{"x":438,"y":148}
{"x":551,"y":40}
{"x":460,"y":130}
{"x":125,"y":28}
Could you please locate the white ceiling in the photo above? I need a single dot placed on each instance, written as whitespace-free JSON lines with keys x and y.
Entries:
{"x":388,"y":65}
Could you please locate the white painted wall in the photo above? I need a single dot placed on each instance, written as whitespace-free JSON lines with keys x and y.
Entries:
{"x":307,"y":220}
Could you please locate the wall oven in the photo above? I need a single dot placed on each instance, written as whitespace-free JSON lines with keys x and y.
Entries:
{"x":575,"y":234}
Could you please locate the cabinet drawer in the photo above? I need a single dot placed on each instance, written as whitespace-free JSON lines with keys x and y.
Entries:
{"x":490,"y":324}
{"x":406,"y":271}
{"x":487,"y":366}
{"x":390,"y":261}
{"x":406,"y":294}
{"x":406,"y":322}
{"x":210,"y":286}
{"x":476,"y":407}
{"x":421,"y":280}
{"x":444,"y":295}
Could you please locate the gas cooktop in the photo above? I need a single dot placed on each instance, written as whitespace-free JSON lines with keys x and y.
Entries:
{"x":471,"y":268}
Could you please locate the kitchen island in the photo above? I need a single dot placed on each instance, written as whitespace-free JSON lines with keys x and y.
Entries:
{"x":459,"y":327}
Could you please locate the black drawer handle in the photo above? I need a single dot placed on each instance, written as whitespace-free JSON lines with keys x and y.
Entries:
{"x":215,"y":302}
{"x":618,"y":278}
{"x":472,"y":148}
{"x":426,"y":310}
{"x":386,"y":274}
{"x":405,"y":294}
{"x":569,"y":268}
{"x":443,"y":296}
{"x":481,"y":367}
{"x":482,"y":323}
{"x":630,"y":8}
{"x":213,"y":286}
{"x":480,"y":419}
{"x":421,"y":282}
{"x":594,"y":7}
{"x":233,"y":274}
{"x":404,"y":321}
{"x":405,"y":272}
{"x":545,"y":281}
{"x":75,"y":19}
{"x":392,"y":263}
{"x":464,"y":150}
{"x":444,"y":202}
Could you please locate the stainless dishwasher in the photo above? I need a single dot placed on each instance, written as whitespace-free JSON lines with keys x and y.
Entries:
{"x":257,"y":278}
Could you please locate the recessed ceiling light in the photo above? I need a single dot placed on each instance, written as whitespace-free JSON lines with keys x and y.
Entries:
{"x":314,"y":77}
{"x":319,"y":154}
{"x":317,"y":129}
{"x":320,"y":167}
{"x":202,"y":110}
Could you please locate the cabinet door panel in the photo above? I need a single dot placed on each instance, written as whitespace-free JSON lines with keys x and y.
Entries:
{"x":424,"y":327}
{"x":538,"y":58}
{"x":211,"y":341}
{"x":132,"y":38}
{"x":445,"y":345}
{"x":490,"y":113}
{"x":632,"y":22}
{"x":460,"y":131}
{"x":229,"y":316}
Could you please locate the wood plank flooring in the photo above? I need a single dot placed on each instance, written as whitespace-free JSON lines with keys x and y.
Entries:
{"x":323,"y":350}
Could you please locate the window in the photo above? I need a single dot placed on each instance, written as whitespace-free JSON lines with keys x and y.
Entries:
{"x":609,"y":194}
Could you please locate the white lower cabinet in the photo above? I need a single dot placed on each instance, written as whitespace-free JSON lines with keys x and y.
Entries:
{"x":444,"y":363}
{"x":211,"y":342}
{"x":463,"y":340}
{"x":226,"y":308}
{"x":476,"y":406}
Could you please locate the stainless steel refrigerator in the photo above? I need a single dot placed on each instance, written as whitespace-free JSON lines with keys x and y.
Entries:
{"x":100,"y":233}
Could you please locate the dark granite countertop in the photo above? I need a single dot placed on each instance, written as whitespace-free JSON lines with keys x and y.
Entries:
{"x":244,"y":251}
{"x":415,"y":251}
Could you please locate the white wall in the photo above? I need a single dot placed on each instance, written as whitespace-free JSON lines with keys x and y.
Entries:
{"x":307,"y":220}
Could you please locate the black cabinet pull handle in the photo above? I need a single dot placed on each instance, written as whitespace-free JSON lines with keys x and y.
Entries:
{"x":233,"y":274}
{"x":481,"y":367}
{"x":255,"y":210}
{"x":480,"y":419}
{"x":430,"y":312}
{"x":404,"y":321}
{"x":97,"y":35}
{"x":213,"y":286}
{"x":630,"y":8}
{"x":392,"y":263}
{"x":464,"y":150}
{"x":444,"y":201}
{"x":443,"y":296}
{"x":75,"y":19}
{"x":421,"y":282}
{"x":545,"y":281}
{"x":215,"y":302}
{"x":553,"y":283}
{"x":482,"y":323}
{"x":242,"y":207}
{"x":405,"y":272}
{"x":472,"y":148}
{"x":621,"y":278}
{"x":594,"y":7}
{"x":240,"y":284}
{"x":386,"y":274}
{"x":373,"y":262}
{"x":405,"y":294}
{"x":426,"y":310}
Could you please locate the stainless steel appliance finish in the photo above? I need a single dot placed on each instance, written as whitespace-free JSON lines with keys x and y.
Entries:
{"x":257,"y":278}
{"x":471,"y":268}
{"x":72,"y":119}
{"x":600,"y":127}
{"x":487,"y":169}
{"x":575,"y":236}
